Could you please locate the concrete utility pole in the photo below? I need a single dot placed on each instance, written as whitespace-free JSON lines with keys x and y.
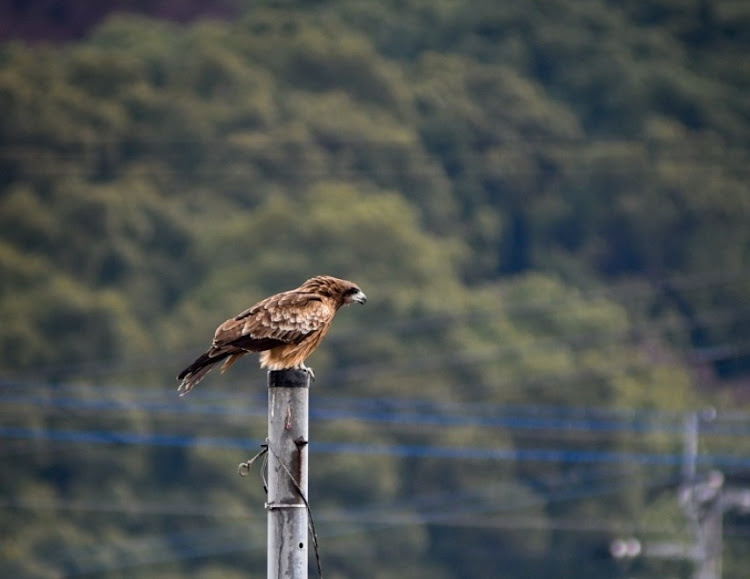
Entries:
{"x":706,"y":507}
{"x":704,"y":499}
{"x":714,"y":500}
{"x":700,"y":498}
{"x":288,"y":395}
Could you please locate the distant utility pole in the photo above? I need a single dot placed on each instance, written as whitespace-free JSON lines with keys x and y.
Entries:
{"x":288,"y":396}
{"x":704,"y":499}
{"x":690,"y":452}
{"x":709,"y":500}
{"x":700,"y":498}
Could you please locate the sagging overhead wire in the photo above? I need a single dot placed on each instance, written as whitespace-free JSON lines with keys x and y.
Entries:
{"x":489,"y":499}
{"x":388,"y":410}
{"x":541,"y":455}
{"x":341,"y":523}
{"x":505,"y":420}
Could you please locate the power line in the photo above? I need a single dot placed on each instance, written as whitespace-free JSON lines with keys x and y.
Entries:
{"x":211,"y":398}
{"x":400,"y":417}
{"x":385,"y":411}
{"x":595,"y":483}
{"x":370,"y":519}
{"x":556,"y":455}
{"x":391,"y":410}
{"x":379,"y":516}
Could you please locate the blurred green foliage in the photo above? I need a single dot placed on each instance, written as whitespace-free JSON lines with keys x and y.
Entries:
{"x":546,"y":203}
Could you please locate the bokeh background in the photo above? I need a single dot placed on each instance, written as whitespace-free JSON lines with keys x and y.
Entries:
{"x":546,"y":202}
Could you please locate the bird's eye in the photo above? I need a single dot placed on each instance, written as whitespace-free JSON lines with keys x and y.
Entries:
{"x":352,"y":291}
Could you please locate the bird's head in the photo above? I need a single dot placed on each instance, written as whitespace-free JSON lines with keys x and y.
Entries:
{"x":343,"y":291}
{"x":354,"y":294}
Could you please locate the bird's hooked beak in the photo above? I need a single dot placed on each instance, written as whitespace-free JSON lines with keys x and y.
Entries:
{"x":359,"y":297}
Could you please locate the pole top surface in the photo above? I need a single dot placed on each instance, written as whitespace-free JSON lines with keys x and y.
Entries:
{"x":288,"y":379}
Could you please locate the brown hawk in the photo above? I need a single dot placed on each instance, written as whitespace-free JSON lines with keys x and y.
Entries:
{"x":286,"y":328}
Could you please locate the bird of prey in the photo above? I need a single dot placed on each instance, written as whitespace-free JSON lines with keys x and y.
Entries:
{"x":286,"y":328}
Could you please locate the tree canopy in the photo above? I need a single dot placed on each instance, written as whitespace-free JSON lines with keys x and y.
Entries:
{"x":546,"y":204}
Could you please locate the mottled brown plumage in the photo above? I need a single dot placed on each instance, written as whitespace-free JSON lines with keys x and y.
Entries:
{"x":286,"y":328}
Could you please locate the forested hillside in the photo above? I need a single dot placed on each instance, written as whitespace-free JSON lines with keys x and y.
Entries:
{"x":546,"y":203}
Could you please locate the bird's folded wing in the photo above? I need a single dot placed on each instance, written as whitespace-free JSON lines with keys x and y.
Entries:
{"x":286,"y":318}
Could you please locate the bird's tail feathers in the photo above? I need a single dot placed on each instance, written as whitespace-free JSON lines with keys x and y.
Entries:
{"x":194,"y":373}
{"x":229,"y":362}
{"x":190,"y":379}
